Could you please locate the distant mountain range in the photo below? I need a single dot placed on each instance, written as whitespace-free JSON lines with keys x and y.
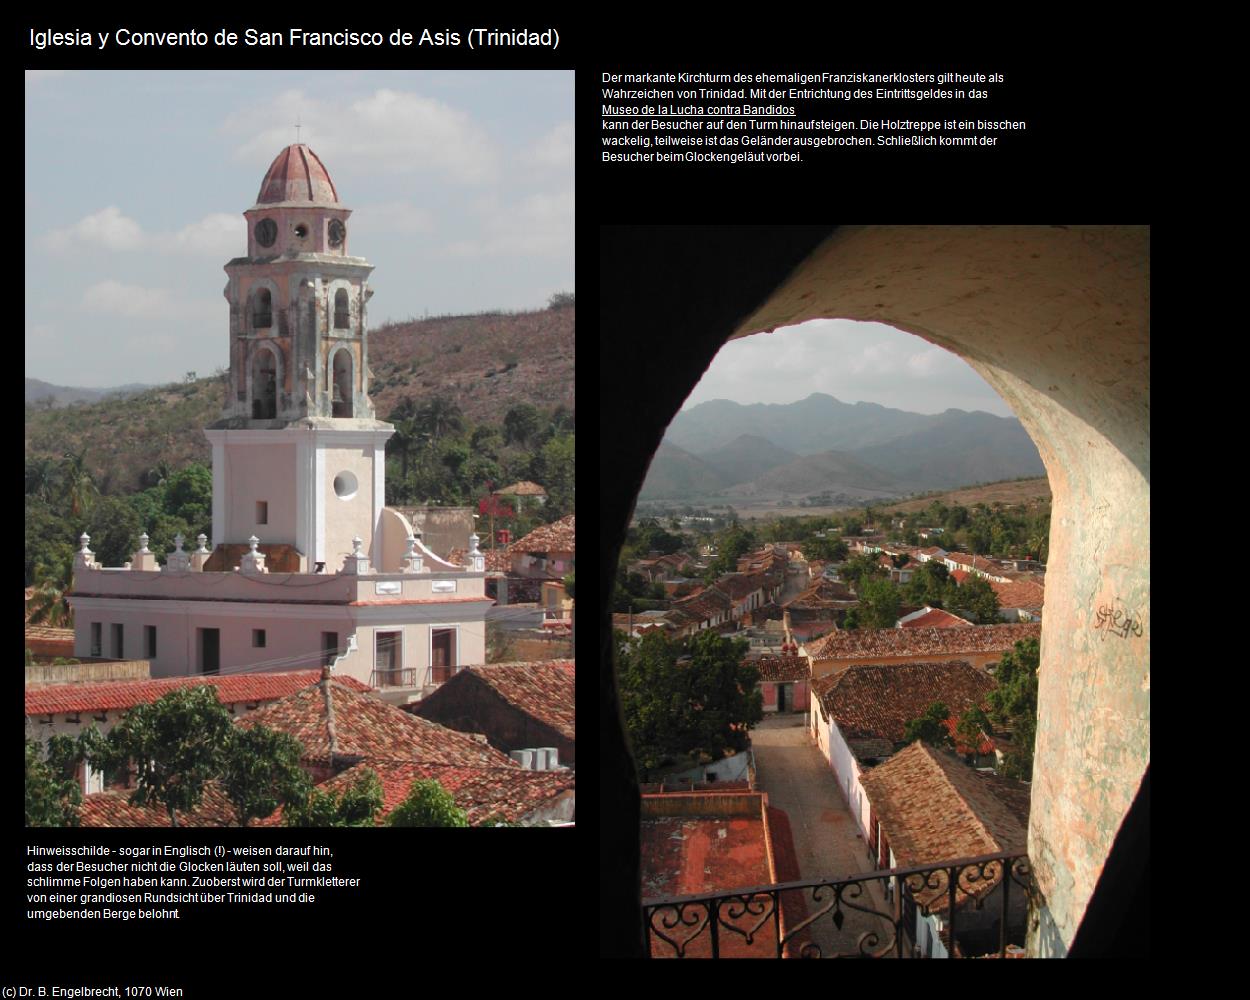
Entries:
{"x":820,"y":445}
{"x":63,"y":395}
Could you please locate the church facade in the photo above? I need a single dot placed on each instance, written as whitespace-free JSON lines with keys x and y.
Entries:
{"x":308,"y":566}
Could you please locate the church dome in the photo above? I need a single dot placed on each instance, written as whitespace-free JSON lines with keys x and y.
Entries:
{"x":297,"y":175}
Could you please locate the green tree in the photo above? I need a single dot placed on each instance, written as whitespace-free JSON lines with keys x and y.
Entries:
{"x":974,"y":595}
{"x":53,"y":794}
{"x":114,"y":527}
{"x":554,"y":467}
{"x":931,"y":727}
{"x":80,"y":488}
{"x":407,"y":434}
{"x":860,"y":567}
{"x":427,"y":804}
{"x":48,"y":604}
{"x":927,"y":584}
{"x":262,"y":771}
{"x":878,"y":603}
{"x":521,"y":423}
{"x":561,"y":300}
{"x":1014,"y":703}
{"x":705,"y":704}
{"x":356,"y":805}
{"x":178,"y":744}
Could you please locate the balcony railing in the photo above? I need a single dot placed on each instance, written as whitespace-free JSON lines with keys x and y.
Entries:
{"x":399,"y":677}
{"x":808,"y":919}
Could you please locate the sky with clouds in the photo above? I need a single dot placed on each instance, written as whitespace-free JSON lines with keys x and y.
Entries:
{"x":851,"y":361}
{"x":461,"y":186}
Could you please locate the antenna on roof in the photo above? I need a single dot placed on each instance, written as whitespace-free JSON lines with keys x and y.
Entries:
{"x":297,"y":127}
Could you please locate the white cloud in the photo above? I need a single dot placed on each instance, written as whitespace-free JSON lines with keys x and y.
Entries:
{"x":107,"y":228}
{"x":397,"y":131}
{"x":555,"y":149}
{"x":216,"y":235}
{"x":393,"y":217}
{"x":130,"y":301}
{"x":927,"y":362}
{"x":540,"y":224}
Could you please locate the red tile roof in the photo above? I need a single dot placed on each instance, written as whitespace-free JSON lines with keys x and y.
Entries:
{"x":819,"y":595}
{"x":934,"y":642}
{"x":878,"y":701}
{"x":118,"y":695}
{"x":937,"y":618}
{"x":555,"y":537}
{"x":522,"y":489}
{"x":933,"y":808}
{"x":782,"y":668}
{"x":544,"y":690}
{"x":959,"y":575}
{"x":510,"y":793}
{"x":366,"y":726}
{"x":112,"y":808}
{"x":736,"y":586}
{"x":704,"y":605}
{"x":1019,"y":594}
{"x":498,"y":560}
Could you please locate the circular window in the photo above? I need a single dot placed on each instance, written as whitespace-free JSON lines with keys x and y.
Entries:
{"x":266,"y":232}
{"x":301,"y":230}
{"x":345,"y":485}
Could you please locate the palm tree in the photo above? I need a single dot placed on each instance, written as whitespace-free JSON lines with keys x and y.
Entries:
{"x":41,"y":478}
{"x":80,"y":488}
{"x":439,"y":415}
{"x":405,"y":419}
{"x":47,"y":604}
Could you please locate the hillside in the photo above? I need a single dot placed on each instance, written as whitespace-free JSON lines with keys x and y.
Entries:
{"x":747,"y":457}
{"x":63,"y":395}
{"x":485,"y":363}
{"x":816,"y":424}
{"x":675,"y":474}
{"x":957,"y":448}
{"x":831,"y":472}
{"x":1019,"y":492}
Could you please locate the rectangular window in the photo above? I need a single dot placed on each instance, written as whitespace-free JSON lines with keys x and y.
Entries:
{"x":262,"y":511}
{"x":149,"y":641}
{"x":97,"y":642}
{"x":118,"y":632}
{"x":387,"y":663}
{"x":258,"y":638}
{"x":209,"y":642}
{"x":329,"y":647}
{"x":442,"y":654}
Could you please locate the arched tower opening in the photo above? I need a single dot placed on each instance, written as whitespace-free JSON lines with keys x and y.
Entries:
{"x":342,"y":312}
{"x":262,"y":309}
{"x":341,"y":382}
{"x":264,"y":383}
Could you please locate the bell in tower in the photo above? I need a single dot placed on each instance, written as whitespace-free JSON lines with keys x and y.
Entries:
{"x":297,"y":425}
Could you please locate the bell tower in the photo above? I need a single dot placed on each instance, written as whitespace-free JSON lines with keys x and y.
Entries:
{"x":298,"y":456}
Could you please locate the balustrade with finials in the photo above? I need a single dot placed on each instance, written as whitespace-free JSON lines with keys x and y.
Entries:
{"x":983,"y":912}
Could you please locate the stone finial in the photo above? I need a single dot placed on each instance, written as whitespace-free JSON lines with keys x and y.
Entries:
{"x":412,"y":561}
{"x":84,"y":558}
{"x":477,"y":560}
{"x":143,"y":542}
{"x":203,"y":540}
{"x":357,"y":562}
{"x":145,"y":558}
{"x":253,"y":562}
{"x":178,"y":561}
{"x":200,"y":556}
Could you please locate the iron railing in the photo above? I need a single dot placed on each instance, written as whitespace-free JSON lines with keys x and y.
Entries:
{"x":399,"y":677}
{"x":812,"y":917}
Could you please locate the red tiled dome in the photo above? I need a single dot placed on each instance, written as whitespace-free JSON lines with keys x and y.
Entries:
{"x":296,"y":174}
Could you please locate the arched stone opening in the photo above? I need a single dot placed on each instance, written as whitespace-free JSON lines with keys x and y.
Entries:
{"x":341,"y":389}
{"x":262,"y":309}
{"x":1056,"y":319}
{"x":265,"y":375}
{"x":342,"y":311}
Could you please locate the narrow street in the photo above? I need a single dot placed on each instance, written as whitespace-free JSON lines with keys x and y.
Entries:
{"x":798,"y":781}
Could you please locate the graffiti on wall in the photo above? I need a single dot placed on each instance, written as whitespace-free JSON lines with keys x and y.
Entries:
{"x":1117,"y":621}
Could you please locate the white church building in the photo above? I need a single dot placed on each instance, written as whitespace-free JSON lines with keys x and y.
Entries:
{"x":307,"y":566}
